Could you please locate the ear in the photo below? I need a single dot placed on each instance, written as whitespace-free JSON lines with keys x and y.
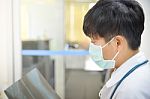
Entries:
{"x":120,"y":42}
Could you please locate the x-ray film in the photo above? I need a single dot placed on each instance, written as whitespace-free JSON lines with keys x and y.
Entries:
{"x":32,"y":86}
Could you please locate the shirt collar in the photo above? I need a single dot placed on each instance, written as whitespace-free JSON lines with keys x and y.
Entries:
{"x":125,"y":67}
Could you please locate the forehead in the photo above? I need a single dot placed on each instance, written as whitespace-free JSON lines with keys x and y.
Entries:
{"x":96,"y":37}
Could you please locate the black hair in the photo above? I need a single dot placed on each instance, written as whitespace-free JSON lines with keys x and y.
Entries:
{"x":109,"y":18}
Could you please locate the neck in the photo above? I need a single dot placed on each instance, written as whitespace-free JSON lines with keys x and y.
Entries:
{"x":124,"y":57}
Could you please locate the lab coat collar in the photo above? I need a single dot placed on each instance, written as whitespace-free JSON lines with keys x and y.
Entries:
{"x":125,"y":67}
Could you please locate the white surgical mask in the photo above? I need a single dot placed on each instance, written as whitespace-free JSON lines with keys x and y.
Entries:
{"x":96,"y":54}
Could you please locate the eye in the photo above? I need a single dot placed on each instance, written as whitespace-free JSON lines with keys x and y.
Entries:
{"x":92,"y":41}
{"x":95,"y":43}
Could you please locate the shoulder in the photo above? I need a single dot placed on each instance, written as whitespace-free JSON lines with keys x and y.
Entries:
{"x":139,"y":79}
{"x":136,"y":85}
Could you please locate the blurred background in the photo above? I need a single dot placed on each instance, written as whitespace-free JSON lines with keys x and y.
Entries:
{"x":47,"y":34}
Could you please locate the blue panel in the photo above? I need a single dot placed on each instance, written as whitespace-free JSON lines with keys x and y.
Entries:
{"x":49,"y":52}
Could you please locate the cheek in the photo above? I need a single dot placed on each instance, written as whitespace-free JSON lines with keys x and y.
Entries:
{"x":108,"y":53}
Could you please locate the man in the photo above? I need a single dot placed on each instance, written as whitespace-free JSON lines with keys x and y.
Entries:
{"x":115,"y":28}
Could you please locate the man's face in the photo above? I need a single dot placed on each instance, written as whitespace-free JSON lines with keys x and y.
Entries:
{"x":109,"y":51}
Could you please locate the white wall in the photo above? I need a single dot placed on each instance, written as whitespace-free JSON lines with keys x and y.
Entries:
{"x":10,"y":43}
{"x":17,"y":57}
{"x":6,"y":60}
{"x":145,"y":46}
{"x":46,"y":21}
{"x":10,"y":49}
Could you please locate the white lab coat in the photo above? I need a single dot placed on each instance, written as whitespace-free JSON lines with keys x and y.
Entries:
{"x":135,"y":86}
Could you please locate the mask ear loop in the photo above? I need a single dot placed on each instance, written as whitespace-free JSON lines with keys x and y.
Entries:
{"x":108,"y":42}
{"x":114,"y":58}
{"x":116,"y":55}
